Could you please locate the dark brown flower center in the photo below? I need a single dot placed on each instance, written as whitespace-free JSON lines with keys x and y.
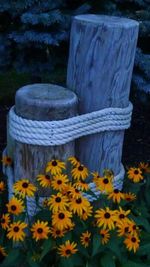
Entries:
{"x":59,"y":182}
{"x":25,"y":185}
{"x":8,"y":159}
{"x":134,"y":227}
{"x":16,"y":229}
{"x":116,"y":191}
{"x":76,"y":190}
{"x":57,"y":232}
{"x":133,"y":239}
{"x":79,"y":200}
{"x":54,"y":163}
{"x":47,"y":177}
{"x":68,"y":251}
{"x":40,"y":230}
{"x":102,"y":235}
{"x":126,"y":229}
{"x":107,"y":215}
{"x":121,"y":216}
{"x":105,"y":181}
{"x":80,"y":168}
{"x":58,"y":199}
{"x":136,"y":172}
{"x":13,"y":207}
{"x":61,"y":216}
{"x":86,"y":239}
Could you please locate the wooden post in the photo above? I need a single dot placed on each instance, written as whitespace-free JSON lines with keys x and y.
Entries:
{"x":45,"y":102}
{"x":102,"y":51}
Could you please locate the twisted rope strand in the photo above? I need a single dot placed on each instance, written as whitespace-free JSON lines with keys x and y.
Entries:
{"x":63,"y":131}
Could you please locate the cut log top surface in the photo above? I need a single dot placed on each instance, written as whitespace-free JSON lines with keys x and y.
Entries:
{"x":107,"y":20}
{"x":45,"y":102}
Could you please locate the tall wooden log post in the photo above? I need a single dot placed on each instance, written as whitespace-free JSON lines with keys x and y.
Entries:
{"x":42,"y":102}
{"x":102,"y":51}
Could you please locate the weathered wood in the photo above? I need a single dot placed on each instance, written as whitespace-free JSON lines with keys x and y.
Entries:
{"x":44,"y":102}
{"x":102,"y":51}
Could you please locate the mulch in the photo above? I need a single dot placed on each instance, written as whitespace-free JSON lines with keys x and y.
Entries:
{"x":136,"y":146}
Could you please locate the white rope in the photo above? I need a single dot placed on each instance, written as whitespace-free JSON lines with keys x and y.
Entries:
{"x":63,"y":131}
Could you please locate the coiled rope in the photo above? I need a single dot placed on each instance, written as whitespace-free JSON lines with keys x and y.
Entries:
{"x":50,"y":133}
{"x":63,"y":131}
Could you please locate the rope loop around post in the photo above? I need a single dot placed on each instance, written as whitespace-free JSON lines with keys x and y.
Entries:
{"x":50,"y":133}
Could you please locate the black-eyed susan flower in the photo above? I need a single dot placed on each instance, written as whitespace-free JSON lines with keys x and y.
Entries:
{"x":105,"y":218}
{"x":45,"y":203}
{"x":70,"y":228}
{"x":107,"y":173}
{"x":16,"y":231}
{"x":129,"y":196}
{"x":62,"y":219}
{"x":59,"y":182}
{"x":58,"y":202}
{"x":2,"y":186}
{"x":67,"y":249}
{"x":7,"y":161}
{"x":55,"y":233}
{"x":105,"y":185}
{"x":74,"y":161}
{"x":77,"y":206}
{"x":40,"y":230}
{"x":81,"y":185}
{"x":44,"y":180}
{"x":144,"y":167}
{"x":104,"y":233}
{"x":116,"y":196}
{"x":15,"y":206}
{"x":79,"y":172}
{"x":87,"y":213}
{"x":96,"y":177}
{"x":132,"y":242}
{"x":85,"y":238}
{"x":55,"y":166}
{"x":75,"y":193}
{"x":135,"y":174}
{"x":122,"y":215}
{"x":3,"y":253}
{"x":122,"y":228}
{"x":67,"y":189}
{"x":133,"y":228}
{"x":5,"y":221}
{"x":24,"y":188}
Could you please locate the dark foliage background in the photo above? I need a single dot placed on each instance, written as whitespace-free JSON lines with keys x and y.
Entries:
{"x":34,"y":45}
{"x":34,"y":34}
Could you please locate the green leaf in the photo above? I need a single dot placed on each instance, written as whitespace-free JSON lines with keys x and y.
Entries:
{"x":66,"y":262}
{"x":144,"y":249}
{"x":97,"y":247}
{"x":143,"y":222}
{"x":12,"y":258}
{"x":134,"y":264}
{"x":47,"y":246}
{"x":32,"y":263}
{"x":107,"y":261}
{"x":43,"y":215}
{"x":115,"y":246}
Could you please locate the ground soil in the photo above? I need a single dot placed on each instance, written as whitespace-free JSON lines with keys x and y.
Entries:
{"x":136,"y":146}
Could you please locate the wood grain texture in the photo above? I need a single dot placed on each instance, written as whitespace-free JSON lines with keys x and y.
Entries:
{"x":42,"y":102}
{"x":101,"y":58}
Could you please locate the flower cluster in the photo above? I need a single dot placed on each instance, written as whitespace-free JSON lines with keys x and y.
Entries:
{"x":66,"y":218}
